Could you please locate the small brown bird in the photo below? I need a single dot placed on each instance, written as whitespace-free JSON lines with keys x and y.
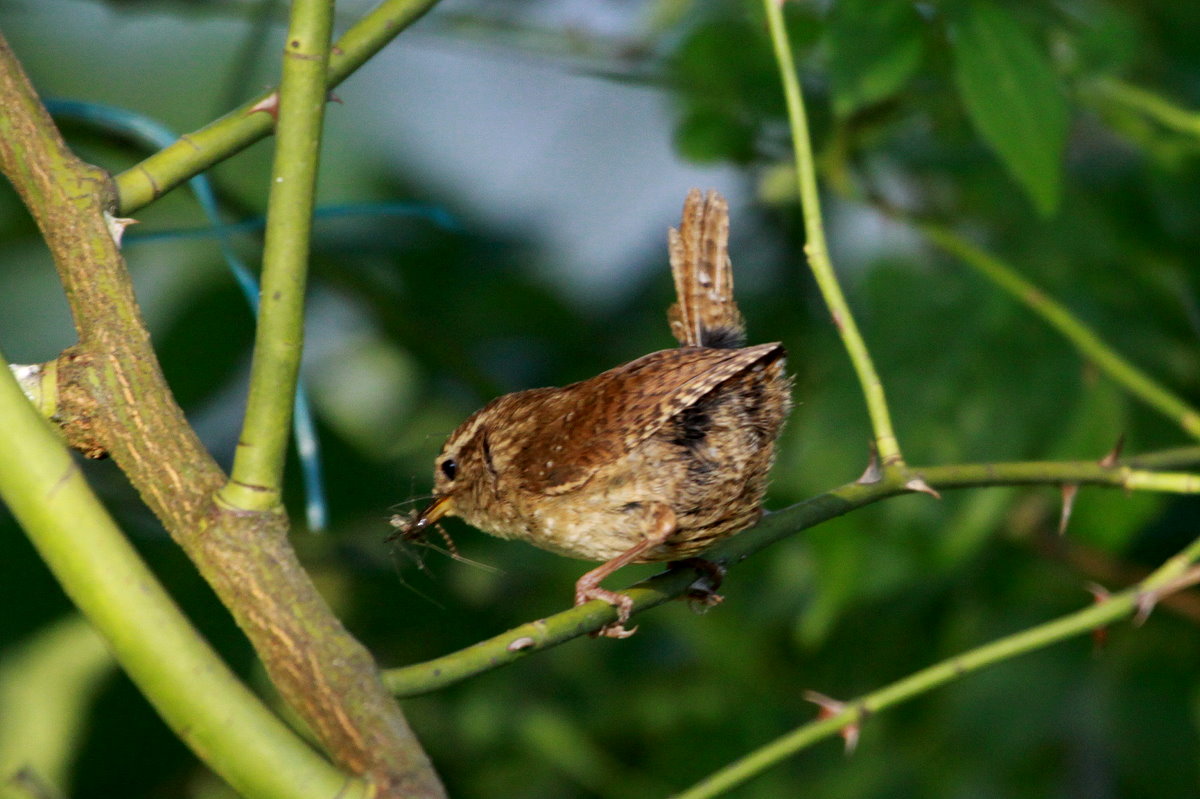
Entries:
{"x":651,"y":461}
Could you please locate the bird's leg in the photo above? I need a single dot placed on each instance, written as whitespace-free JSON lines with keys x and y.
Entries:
{"x":661,"y":524}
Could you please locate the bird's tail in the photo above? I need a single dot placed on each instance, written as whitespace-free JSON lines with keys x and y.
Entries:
{"x":705,"y":314}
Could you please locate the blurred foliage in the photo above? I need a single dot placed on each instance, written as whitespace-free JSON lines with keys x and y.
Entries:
{"x":991,"y":117}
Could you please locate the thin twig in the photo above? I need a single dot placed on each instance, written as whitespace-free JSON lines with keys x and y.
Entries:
{"x":257,"y":475}
{"x":1105,"y":611}
{"x":817,"y":250}
{"x":1083,"y":338}
{"x":1151,"y":105}
{"x":195,"y":152}
{"x":534,"y":636}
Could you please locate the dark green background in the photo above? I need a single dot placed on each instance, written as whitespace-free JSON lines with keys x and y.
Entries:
{"x":451,"y":318}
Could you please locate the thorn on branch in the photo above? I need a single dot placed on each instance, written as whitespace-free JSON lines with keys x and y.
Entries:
{"x":116,"y":226}
{"x":517,"y":644}
{"x":1069,"y":492}
{"x":830,"y":707}
{"x":1100,"y":595}
{"x":1145,"y":606}
{"x":1147,"y":600}
{"x":1114,"y":455}
{"x":268,"y":105}
{"x":873,"y":474}
{"x":918,"y":484}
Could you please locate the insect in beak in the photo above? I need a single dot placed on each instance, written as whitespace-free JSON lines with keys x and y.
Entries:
{"x":410,"y":529}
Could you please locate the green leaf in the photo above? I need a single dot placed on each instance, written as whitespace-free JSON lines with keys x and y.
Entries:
{"x":727,"y":64}
{"x":875,"y":48}
{"x":707,"y":135}
{"x":1013,"y":98}
{"x":1108,"y":41}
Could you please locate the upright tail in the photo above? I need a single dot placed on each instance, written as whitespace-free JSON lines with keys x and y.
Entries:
{"x":704,"y":314}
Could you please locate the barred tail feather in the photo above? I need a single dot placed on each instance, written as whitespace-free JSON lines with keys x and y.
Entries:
{"x":704,"y":314}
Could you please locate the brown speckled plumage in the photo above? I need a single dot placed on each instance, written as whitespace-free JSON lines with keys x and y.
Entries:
{"x":653,"y":460}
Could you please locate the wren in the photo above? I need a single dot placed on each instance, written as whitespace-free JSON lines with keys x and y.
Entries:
{"x":654,"y":460}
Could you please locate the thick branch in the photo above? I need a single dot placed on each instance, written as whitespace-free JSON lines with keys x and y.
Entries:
{"x":113,"y":373}
{"x":177,"y":670}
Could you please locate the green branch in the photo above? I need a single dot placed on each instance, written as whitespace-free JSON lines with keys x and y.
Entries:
{"x":193,"y":690}
{"x":1162,"y":111}
{"x":817,"y":250}
{"x":1084,"y":339}
{"x":535,"y":636}
{"x":1173,"y":458}
{"x":195,"y":152}
{"x":1170,"y":576}
{"x":257,"y":475}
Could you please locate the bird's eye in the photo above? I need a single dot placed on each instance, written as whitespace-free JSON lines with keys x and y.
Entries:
{"x":449,"y":468}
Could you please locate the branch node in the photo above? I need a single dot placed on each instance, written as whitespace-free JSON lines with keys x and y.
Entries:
{"x":78,"y":410}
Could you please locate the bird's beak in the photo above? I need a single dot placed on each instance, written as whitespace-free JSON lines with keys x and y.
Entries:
{"x":437,"y":509}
